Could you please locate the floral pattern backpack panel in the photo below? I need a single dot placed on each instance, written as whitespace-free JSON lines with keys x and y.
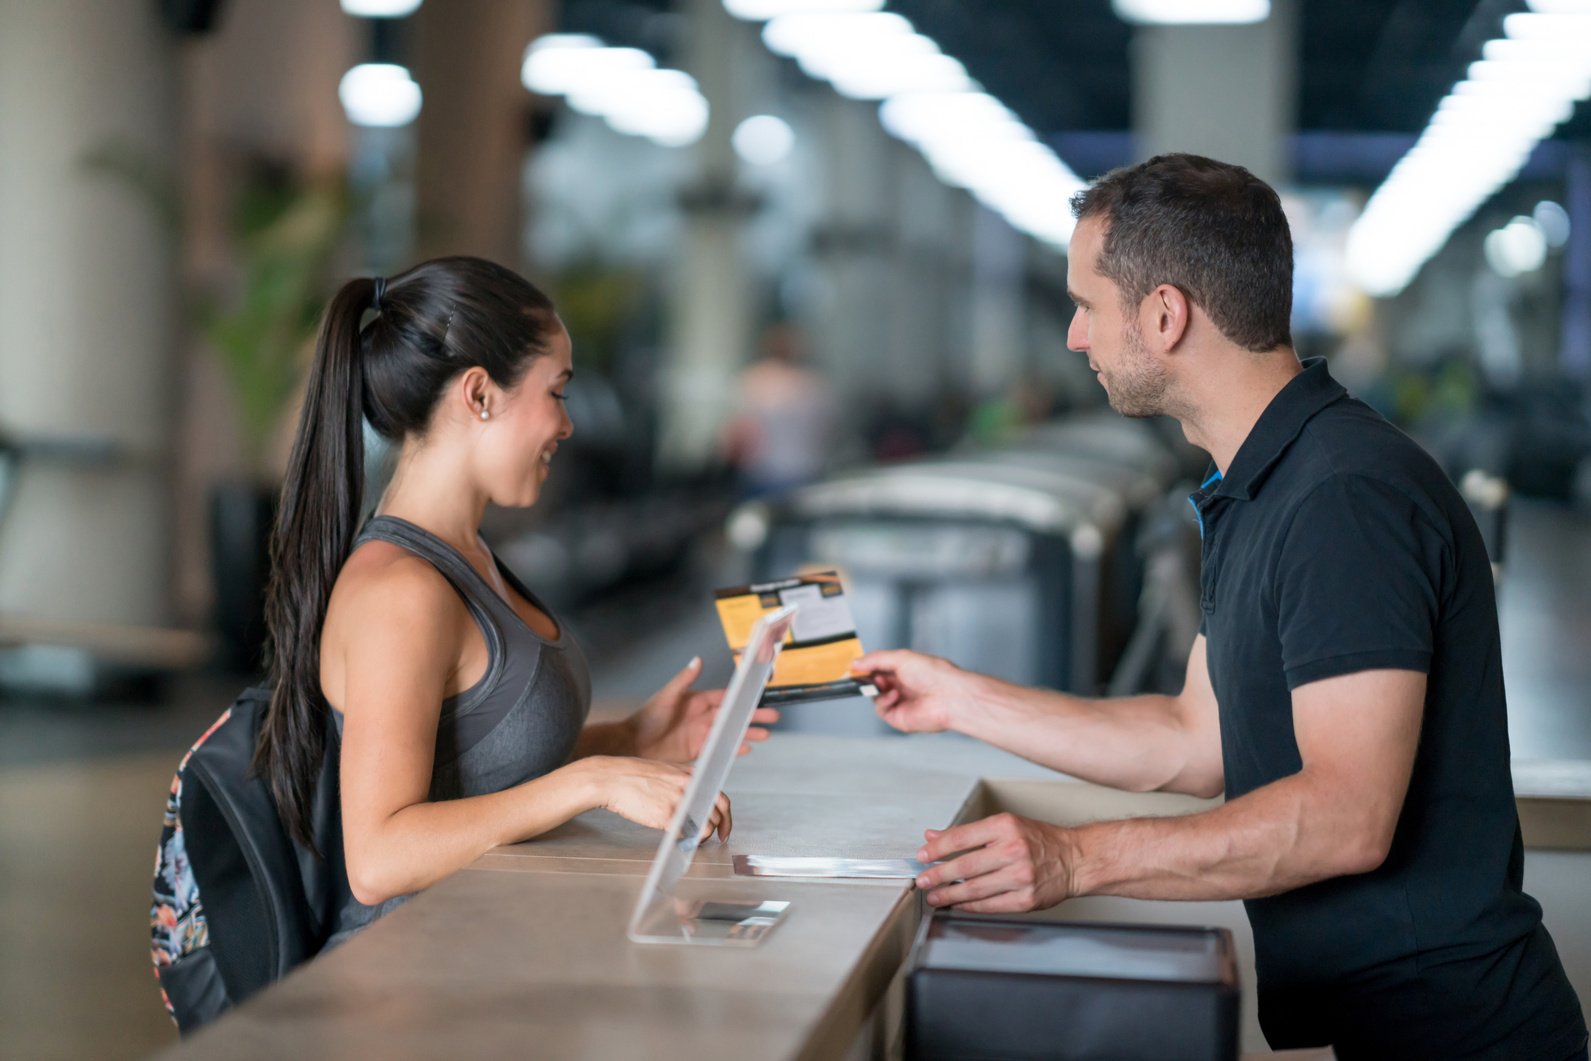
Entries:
{"x":176,"y":917}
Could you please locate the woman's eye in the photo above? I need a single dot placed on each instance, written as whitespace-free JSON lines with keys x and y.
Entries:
{"x":560,"y":396}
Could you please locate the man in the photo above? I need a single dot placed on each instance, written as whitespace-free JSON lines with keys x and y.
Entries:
{"x":1345,"y":691}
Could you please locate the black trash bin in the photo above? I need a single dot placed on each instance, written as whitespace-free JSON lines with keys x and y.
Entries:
{"x":1015,"y":989}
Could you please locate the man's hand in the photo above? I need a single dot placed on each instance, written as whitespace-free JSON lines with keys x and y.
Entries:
{"x":1007,"y":864}
{"x":674,"y":723}
{"x":917,"y":693}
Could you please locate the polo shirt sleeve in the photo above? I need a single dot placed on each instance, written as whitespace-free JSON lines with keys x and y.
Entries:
{"x":1357,"y":583}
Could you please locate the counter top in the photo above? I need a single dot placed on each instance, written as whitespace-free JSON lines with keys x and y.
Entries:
{"x":525,"y":950}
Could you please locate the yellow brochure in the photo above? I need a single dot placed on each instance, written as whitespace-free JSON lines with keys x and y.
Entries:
{"x":815,"y":663}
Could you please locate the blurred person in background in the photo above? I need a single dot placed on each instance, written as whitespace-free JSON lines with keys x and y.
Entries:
{"x":782,"y":429}
{"x":1345,"y":692}
{"x":455,"y":701}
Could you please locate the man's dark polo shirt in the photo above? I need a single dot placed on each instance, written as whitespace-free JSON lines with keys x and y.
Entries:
{"x":1333,"y":545}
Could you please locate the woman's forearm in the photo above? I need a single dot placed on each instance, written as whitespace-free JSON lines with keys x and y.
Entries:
{"x":606,"y":738}
{"x":422,"y":843}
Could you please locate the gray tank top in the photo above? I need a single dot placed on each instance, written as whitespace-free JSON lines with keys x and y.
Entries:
{"x":521,"y":720}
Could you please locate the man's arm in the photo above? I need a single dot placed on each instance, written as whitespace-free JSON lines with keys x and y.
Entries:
{"x":1357,"y":735}
{"x":1140,"y":743}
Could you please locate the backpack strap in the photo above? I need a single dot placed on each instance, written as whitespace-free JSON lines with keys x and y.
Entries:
{"x":247,"y":868}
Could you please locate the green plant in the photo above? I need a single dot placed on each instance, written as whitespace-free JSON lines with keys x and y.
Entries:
{"x":595,"y":301}
{"x":287,"y":238}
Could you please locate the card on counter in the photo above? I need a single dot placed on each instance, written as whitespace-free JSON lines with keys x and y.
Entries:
{"x":815,"y":663}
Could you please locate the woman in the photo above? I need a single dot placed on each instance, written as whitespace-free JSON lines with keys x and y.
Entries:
{"x":460,"y":700}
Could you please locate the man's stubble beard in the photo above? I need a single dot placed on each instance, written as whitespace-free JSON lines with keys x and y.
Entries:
{"x":1140,"y":385}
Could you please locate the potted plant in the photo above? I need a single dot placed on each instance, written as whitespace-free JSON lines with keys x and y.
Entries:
{"x":285,"y":232}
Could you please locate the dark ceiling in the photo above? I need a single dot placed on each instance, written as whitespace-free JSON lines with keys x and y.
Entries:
{"x":1366,"y":66}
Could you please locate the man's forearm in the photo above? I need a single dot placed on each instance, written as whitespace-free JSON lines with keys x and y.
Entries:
{"x":1138,"y":743}
{"x":1285,"y":835}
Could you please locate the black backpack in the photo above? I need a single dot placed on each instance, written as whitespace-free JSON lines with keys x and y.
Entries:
{"x":238,"y":903}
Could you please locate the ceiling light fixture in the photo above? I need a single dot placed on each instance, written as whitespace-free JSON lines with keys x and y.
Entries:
{"x":1192,"y":12}
{"x":568,"y":65}
{"x":813,"y":36}
{"x":623,"y":86}
{"x":895,"y":75}
{"x":1561,"y":7}
{"x":610,"y":93}
{"x":1553,"y":220}
{"x":380,"y":8}
{"x":1518,"y":247}
{"x":970,"y":139}
{"x":763,"y":139}
{"x":761,"y":10}
{"x":1481,"y":135}
{"x":379,"y":95}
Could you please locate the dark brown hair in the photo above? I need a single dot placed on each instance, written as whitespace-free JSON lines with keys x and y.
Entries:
{"x":429,"y":324}
{"x":1213,"y":230}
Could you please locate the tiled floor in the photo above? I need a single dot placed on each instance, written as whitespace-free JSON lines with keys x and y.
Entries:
{"x":82,"y":787}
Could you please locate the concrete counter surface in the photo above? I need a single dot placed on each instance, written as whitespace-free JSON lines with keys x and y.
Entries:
{"x":537,"y":964}
{"x":524,"y":952}
{"x":800,"y":794}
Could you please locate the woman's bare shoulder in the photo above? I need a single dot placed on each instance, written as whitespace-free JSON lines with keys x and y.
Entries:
{"x":385,"y":587}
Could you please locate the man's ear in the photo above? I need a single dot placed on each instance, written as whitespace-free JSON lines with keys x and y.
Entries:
{"x":1165,"y":316}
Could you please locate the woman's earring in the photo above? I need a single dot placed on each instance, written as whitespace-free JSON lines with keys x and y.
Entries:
{"x":484,"y":414}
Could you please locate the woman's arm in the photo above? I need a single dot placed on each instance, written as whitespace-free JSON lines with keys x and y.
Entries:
{"x":404,"y":632}
{"x":672,"y":725}
{"x":606,"y":738}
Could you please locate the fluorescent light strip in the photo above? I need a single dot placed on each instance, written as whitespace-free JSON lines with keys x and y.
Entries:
{"x":622,"y":86}
{"x":760,"y":10}
{"x":380,"y":8}
{"x":1481,"y":135}
{"x":969,"y":138}
{"x":1561,"y":7}
{"x":1192,"y":12}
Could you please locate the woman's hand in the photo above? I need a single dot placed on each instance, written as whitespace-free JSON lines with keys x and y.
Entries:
{"x":673,"y":724}
{"x":648,"y":793}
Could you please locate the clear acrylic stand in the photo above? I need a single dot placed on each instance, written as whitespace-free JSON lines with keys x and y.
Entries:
{"x":662,"y":916}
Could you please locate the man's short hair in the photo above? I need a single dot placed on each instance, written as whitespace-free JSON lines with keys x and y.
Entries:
{"x":1211,"y":229}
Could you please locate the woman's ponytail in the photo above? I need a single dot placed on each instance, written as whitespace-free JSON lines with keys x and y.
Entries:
{"x":433,"y":322}
{"x":313,"y":533}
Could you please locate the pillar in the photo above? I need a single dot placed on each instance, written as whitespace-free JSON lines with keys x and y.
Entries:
{"x":710,"y":326}
{"x":1228,"y":92}
{"x":474,"y":124}
{"x":88,"y":291}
